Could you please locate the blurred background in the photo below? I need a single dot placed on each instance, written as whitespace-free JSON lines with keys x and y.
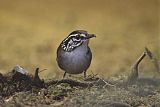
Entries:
{"x":31,"y":31}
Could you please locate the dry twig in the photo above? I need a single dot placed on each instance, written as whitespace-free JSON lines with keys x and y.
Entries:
{"x":153,"y":59}
{"x":134,"y":70}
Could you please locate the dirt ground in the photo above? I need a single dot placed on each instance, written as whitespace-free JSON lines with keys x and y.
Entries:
{"x":144,"y":93}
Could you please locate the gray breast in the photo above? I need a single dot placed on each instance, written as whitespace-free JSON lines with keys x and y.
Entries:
{"x":76,"y":61}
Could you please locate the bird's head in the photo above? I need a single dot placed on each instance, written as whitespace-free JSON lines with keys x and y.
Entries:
{"x":76,"y":39}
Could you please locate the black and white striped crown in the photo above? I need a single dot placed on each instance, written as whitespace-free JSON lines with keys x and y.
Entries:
{"x":75,"y":39}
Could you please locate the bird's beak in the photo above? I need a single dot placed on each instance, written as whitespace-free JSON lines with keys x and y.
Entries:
{"x":90,"y":36}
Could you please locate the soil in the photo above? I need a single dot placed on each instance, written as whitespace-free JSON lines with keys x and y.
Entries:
{"x":23,"y":90}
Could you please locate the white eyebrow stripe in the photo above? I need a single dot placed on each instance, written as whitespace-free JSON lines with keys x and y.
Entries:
{"x":69,"y":37}
{"x":83,"y":35}
{"x":73,"y":35}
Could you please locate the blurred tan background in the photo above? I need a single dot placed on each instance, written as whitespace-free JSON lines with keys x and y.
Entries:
{"x":31,"y":30}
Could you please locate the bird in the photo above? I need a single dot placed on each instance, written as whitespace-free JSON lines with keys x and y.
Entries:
{"x":73,"y":54}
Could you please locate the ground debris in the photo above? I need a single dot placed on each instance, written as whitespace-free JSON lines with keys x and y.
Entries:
{"x":16,"y":81}
{"x":134,"y":75}
{"x":76,"y":83}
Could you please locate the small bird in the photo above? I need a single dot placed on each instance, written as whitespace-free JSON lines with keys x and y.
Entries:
{"x":73,"y":54}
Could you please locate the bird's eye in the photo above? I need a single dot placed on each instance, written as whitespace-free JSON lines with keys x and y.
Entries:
{"x":78,"y":37}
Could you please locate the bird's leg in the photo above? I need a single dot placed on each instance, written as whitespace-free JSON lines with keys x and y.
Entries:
{"x":64,"y":75}
{"x":85,"y":74}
